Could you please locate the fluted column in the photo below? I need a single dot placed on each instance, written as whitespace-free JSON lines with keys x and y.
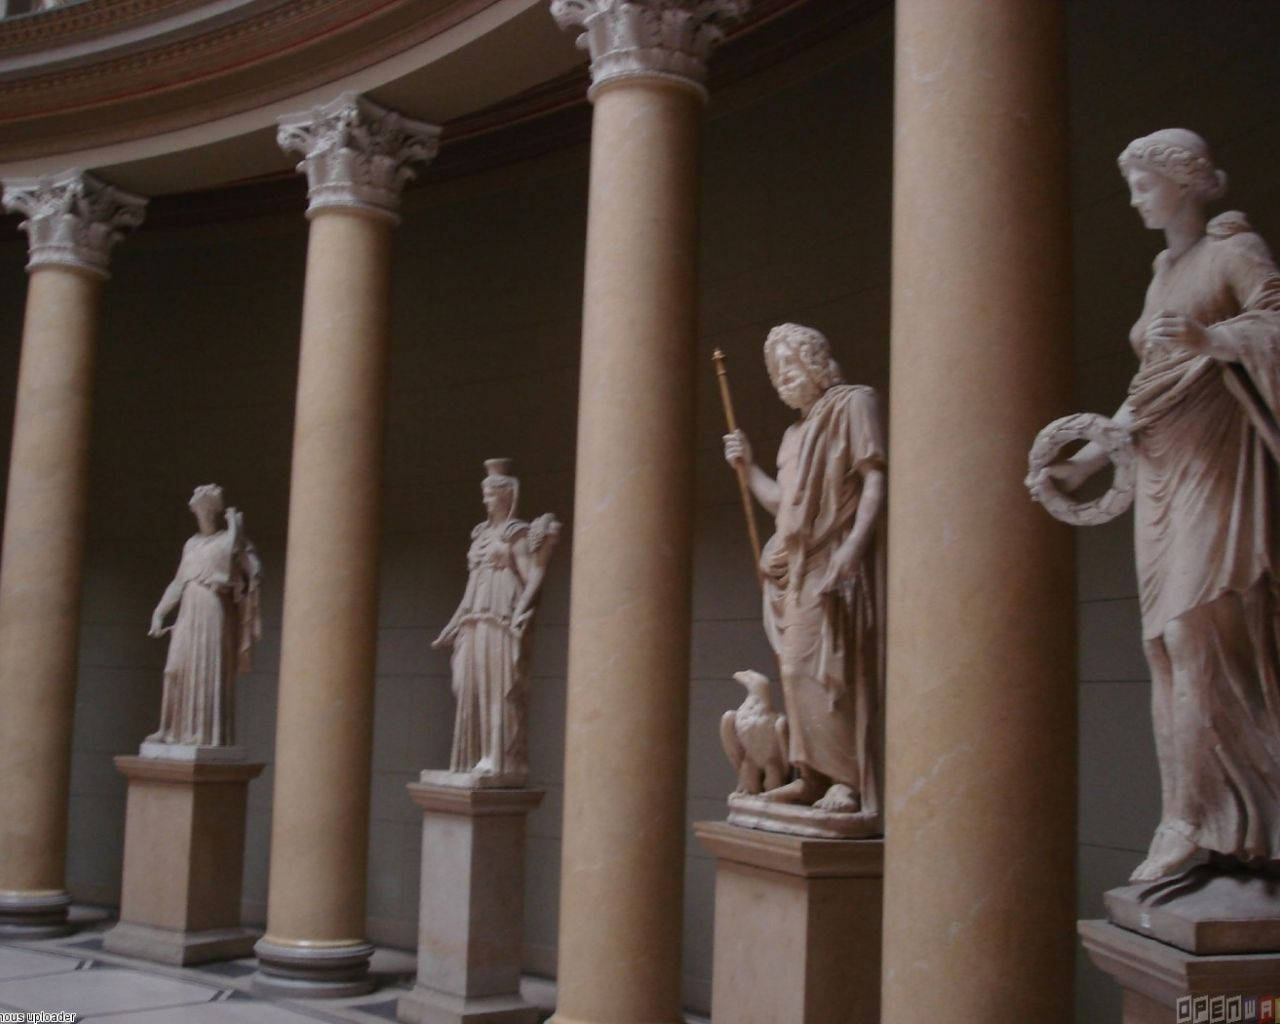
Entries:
{"x":72,"y":222}
{"x":356,"y":158}
{"x":981,"y":802}
{"x":624,"y":822}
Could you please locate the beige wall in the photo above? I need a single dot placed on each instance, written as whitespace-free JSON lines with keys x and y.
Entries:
{"x":198,"y":360}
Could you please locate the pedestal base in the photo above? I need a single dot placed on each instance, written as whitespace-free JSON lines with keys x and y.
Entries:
{"x":183,"y":860}
{"x":797,"y":927}
{"x":1205,"y":911}
{"x":802,"y":819}
{"x":34,"y":915}
{"x":191,"y":752}
{"x":1156,"y":976}
{"x":286,"y":971}
{"x":472,"y":780}
{"x":166,"y":946}
{"x":472,"y":906}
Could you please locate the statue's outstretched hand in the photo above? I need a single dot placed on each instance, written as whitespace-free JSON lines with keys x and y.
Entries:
{"x":737,"y":449}
{"x":446,"y":637}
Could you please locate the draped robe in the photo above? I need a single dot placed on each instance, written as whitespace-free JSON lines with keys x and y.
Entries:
{"x":829,"y":646}
{"x":218,"y":620}
{"x":1208,"y":494}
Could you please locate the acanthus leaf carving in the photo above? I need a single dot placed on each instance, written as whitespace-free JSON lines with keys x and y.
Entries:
{"x":72,"y":219}
{"x":356,"y":154}
{"x":651,"y":38}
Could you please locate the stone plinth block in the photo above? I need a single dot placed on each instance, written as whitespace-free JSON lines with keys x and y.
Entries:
{"x":797,"y":927}
{"x":1155,"y":975}
{"x":1205,"y":911}
{"x":183,"y":861}
{"x":472,"y":906}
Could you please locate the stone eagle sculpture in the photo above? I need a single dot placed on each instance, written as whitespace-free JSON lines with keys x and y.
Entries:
{"x":755,"y":737}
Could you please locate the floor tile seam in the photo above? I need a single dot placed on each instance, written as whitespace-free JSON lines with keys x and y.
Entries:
{"x":34,"y":947}
{"x":124,"y":1014}
{"x":39,"y":974}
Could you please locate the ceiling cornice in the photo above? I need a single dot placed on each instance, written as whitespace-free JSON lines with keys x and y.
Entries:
{"x":172,"y":63}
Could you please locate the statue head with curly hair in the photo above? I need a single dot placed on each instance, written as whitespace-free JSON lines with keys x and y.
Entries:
{"x":1180,"y":155}
{"x":800,"y":364}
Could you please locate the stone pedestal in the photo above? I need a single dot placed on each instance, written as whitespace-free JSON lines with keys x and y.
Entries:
{"x":797,"y":927}
{"x":472,"y":906}
{"x":183,"y":861}
{"x":1156,"y":976}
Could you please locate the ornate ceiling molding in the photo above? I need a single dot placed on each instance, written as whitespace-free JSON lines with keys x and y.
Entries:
{"x":168,"y":64}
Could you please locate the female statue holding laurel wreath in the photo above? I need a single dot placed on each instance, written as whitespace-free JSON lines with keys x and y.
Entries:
{"x":1204,"y":455}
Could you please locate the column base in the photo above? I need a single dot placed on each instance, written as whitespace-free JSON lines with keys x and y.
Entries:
{"x":168,"y":946}
{"x":34,"y":915}
{"x":312,"y":972}
{"x":1155,"y":976}
{"x":797,"y":927}
{"x":428,"y":1006}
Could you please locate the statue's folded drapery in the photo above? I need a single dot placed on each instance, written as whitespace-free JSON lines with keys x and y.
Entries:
{"x":1208,"y":496}
{"x":217,"y":622}
{"x":829,"y":645}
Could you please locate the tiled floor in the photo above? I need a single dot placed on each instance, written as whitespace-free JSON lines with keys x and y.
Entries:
{"x":75,"y":974}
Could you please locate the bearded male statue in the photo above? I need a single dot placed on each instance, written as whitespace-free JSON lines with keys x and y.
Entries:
{"x":822,"y":576}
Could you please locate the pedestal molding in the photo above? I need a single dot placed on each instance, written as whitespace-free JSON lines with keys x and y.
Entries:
{"x":473,"y":802}
{"x":1163,"y":973}
{"x":154,"y":769}
{"x":801,"y":856}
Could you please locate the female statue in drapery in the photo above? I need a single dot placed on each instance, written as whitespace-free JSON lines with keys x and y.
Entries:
{"x":491,"y":634}
{"x":1202,"y":414}
{"x":216,"y":592}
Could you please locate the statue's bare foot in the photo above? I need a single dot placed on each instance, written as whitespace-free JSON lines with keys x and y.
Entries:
{"x":485,"y":766}
{"x":156,"y":737}
{"x":1170,"y":851}
{"x":798,"y":791}
{"x":838,"y":798}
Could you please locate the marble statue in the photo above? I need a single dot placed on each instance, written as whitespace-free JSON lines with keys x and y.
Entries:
{"x":216,"y":592}
{"x":823,"y":609}
{"x":1201,"y":420}
{"x":755,"y":737}
{"x":491,"y":633}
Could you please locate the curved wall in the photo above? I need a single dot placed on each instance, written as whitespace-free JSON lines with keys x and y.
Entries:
{"x":197,"y":368}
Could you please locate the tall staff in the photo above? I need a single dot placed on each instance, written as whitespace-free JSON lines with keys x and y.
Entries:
{"x":748,"y":509}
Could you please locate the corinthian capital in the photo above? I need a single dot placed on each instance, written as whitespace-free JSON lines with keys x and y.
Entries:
{"x":651,"y":38}
{"x":73,"y":219}
{"x":355,"y":154}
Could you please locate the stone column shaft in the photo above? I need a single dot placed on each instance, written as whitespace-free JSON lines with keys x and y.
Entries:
{"x":41,"y":575}
{"x":627,"y":715}
{"x":73,"y":220}
{"x":355,"y":157}
{"x":981,"y":800}
{"x":628,"y":687}
{"x":324,"y":736}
